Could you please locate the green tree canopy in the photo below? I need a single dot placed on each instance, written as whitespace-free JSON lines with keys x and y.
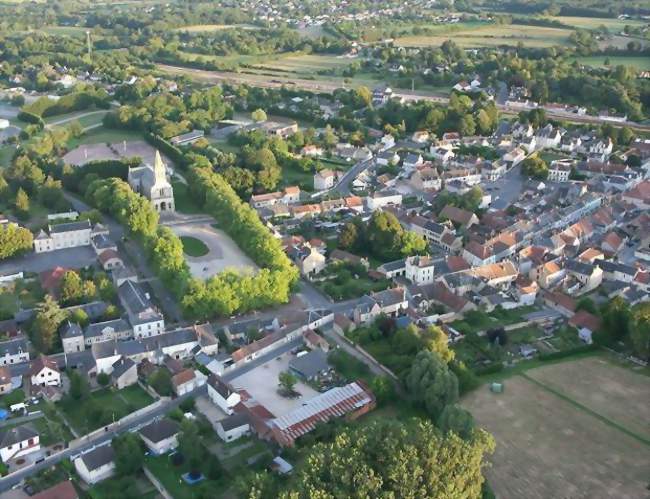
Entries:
{"x":431,"y":383}
{"x":14,"y":240}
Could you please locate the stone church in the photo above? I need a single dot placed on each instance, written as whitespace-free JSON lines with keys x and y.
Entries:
{"x":151,"y":182}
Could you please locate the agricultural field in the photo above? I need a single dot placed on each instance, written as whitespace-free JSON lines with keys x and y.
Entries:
{"x":616,"y":25}
{"x":492,"y":36}
{"x":208,"y":28}
{"x":306,"y":63}
{"x":573,"y":429}
{"x":638,"y":63}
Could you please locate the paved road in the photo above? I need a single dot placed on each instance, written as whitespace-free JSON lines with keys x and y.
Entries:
{"x":14,"y":479}
{"x":330,"y":86}
{"x":343,"y":185}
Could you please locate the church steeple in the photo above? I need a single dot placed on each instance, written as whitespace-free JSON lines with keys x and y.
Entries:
{"x":159,"y":169}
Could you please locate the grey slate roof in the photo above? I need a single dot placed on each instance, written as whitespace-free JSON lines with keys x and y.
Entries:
{"x":15,"y":435}
{"x":69,"y":227}
{"x":159,"y":430}
{"x":139,"y":307}
{"x":98,"y":457}
{"x":71,"y":330}
{"x":119,"y":325}
{"x":121,"y":367}
{"x":13,"y":347}
{"x":222,"y":388}
{"x":234,"y":421}
{"x":311,"y":364}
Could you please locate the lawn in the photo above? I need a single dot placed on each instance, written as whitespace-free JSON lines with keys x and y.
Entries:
{"x":306,"y":63}
{"x":103,"y":135}
{"x":194,"y":247}
{"x":547,"y":420}
{"x":492,"y":36}
{"x":207,"y":28}
{"x":293,"y":176}
{"x":638,"y":63}
{"x":170,"y":476}
{"x":613,"y":24}
{"x":113,"y":404}
{"x":479,"y":321}
{"x":183,"y":200}
{"x":6,"y":153}
{"x":107,"y":490}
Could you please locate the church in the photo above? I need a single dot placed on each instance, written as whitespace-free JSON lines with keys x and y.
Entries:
{"x":151,"y":182}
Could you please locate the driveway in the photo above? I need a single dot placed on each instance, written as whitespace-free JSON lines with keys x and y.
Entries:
{"x":209,"y":410}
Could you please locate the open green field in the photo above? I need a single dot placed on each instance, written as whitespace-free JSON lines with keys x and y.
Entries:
{"x":207,"y":28}
{"x":493,"y":36}
{"x":194,"y":247}
{"x":638,"y":63}
{"x":612,"y":24}
{"x":116,"y":405}
{"x":306,"y":63}
{"x":550,"y":418}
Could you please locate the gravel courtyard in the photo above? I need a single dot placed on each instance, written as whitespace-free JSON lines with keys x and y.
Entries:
{"x":93,"y":152}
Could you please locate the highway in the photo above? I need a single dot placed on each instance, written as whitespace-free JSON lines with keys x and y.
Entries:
{"x":329,"y":86}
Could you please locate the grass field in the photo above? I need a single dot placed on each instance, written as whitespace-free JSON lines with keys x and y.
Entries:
{"x":558,"y":433}
{"x":492,"y":36}
{"x":613,"y":24}
{"x":73,"y":31}
{"x":119,"y":403}
{"x":638,"y":63}
{"x":170,"y":476}
{"x":306,"y":63}
{"x":194,"y":247}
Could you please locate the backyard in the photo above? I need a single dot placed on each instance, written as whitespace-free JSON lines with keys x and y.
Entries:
{"x":345,"y":281}
{"x":549,"y":419}
{"x":170,"y":476}
{"x":103,"y":407}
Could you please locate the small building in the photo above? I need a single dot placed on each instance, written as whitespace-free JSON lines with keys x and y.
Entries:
{"x":96,"y":465}
{"x":315,"y":341}
{"x":184,"y":382}
{"x":44,"y":372}
{"x":325,"y":179}
{"x":310,"y":366}
{"x":14,"y":351}
{"x":160,"y":436}
{"x":222,"y":394}
{"x":233,"y":427}
{"x":72,"y":338}
{"x":187,"y":138}
{"x":419,"y":269}
{"x":18,"y":441}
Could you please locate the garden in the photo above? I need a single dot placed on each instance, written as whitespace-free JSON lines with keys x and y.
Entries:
{"x":344,"y":280}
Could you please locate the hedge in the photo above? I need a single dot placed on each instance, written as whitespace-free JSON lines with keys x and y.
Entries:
{"x":77,"y":101}
{"x":32,"y":118}
{"x":568,"y":353}
{"x":167,"y":148}
{"x":497,"y":367}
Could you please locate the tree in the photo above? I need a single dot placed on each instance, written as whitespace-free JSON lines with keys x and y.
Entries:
{"x":535,"y":167}
{"x":640,"y":329}
{"x":103,"y":379}
{"x":437,"y":341}
{"x":349,"y":236}
{"x":71,"y":288}
{"x":190,"y":446}
{"x":364,"y":95}
{"x":455,"y":418}
{"x":287,"y":382}
{"x":129,"y":454}
{"x":22,"y":203}
{"x":161,"y":381}
{"x":79,"y":388}
{"x":49,"y":317}
{"x":431,"y":383}
{"x":616,"y":321}
{"x":389,"y":458}
{"x":14,"y":240}
{"x":258,"y":115}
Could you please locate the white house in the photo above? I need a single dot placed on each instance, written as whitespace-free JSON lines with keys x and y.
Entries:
{"x":233,"y":427}
{"x":419,"y":269}
{"x":559,"y":171}
{"x":382,"y":199}
{"x":18,"y":441}
{"x":325,"y":179}
{"x":222,"y":394}
{"x":160,"y":436}
{"x":14,"y":351}
{"x":143,"y":316}
{"x":96,"y":465}
{"x":442,"y":154}
{"x":45,"y":372}
{"x":65,"y":235}
{"x":549,"y":137}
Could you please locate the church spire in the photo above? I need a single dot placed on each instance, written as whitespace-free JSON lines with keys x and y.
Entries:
{"x":159,"y":168}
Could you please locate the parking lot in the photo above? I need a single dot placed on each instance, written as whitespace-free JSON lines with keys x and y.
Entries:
{"x":69,"y":258}
{"x":262,"y":383}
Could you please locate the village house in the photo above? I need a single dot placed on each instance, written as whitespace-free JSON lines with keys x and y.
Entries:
{"x":144,"y":317}
{"x":14,"y":351}
{"x":588,"y":277}
{"x":125,"y":373}
{"x":382,"y":199}
{"x":160,"y":436}
{"x":222,"y":394}
{"x":559,"y":171}
{"x":96,"y":465}
{"x":5,"y":381}
{"x":390,"y":302}
{"x":325,"y":179}
{"x":386,"y":158}
{"x":44,"y":372}
{"x":547,"y":275}
{"x":62,"y":236}
{"x":290,"y":195}
{"x":233,"y":427}
{"x":426,"y":178}
{"x":458,"y":216}
{"x":72,"y":338}
{"x":419,"y":269}
{"x":478,"y":254}
{"x":184,"y":382}
{"x":315,"y":341}
{"x":116,"y":329}
{"x":18,"y":441}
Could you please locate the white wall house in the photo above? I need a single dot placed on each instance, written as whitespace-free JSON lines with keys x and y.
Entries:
{"x":14,"y":351}
{"x":18,"y":441}
{"x":45,"y":372}
{"x":96,"y":465}
{"x":160,"y":436}
{"x":233,"y":427}
{"x":325,"y":179}
{"x":222,"y":394}
{"x":61,"y":236}
{"x":419,"y":270}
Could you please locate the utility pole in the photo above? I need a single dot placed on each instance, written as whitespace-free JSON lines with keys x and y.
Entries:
{"x":88,"y":43}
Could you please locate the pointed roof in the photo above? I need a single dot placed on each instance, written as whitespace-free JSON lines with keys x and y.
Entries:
{"x":159,"y":168}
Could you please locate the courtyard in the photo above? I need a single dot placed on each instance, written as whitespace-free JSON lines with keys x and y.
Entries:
{"x":209,"y":251}
{"x":262,"y":384}
{"x":574,"y":429}
{"x":117,"y":150}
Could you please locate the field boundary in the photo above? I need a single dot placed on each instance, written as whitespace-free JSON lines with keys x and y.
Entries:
{"x":587,"y":410}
